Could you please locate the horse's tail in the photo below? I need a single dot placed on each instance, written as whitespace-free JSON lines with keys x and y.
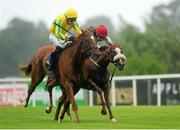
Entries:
{"x":27,"y":68}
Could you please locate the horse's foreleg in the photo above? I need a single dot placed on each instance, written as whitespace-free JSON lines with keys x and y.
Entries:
{"x":69,"y":91}
{"x":67,"y":104}
{"x":49,"y":108}
{"x":65,"y":110}
{"x":106,"y":95}
{"x":94,"y":87}
{"x":62,"y":99}
{"x":31,"y":90}
{"x":50,"y":86}
{"x":69,"y":114}
{"x":37,"y":76}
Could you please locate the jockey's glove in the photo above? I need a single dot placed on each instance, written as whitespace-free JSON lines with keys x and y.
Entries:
{"x":71,"y":38}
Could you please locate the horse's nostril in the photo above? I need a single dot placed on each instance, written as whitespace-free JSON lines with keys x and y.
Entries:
{"x":120,"y":67}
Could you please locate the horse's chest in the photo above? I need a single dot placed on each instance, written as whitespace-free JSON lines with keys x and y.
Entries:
{"x":100,"y":77}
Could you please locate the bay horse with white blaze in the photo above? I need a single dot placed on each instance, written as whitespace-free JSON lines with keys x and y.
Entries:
{"x":95,"y":76}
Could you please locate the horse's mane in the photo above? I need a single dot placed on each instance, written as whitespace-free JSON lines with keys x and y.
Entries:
{"x":116,"y":44}
{"x":76,"y":37}
{"x":103,"y":48}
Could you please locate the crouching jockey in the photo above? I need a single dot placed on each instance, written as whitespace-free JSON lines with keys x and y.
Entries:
{"x":101,"y":35}
{"x":58,"y":36}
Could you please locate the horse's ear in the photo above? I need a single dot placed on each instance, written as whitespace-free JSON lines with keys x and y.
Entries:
{"x":117,"y":43}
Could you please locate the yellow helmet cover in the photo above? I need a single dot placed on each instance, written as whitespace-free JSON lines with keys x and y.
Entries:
{"x":71,"y":13}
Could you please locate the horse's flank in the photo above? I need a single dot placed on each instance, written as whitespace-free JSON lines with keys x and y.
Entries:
{"x":38,"y":58}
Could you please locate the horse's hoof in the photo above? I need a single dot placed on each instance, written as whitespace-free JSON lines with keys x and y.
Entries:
{"x":56,"y":119}
{"x":25,"y":106}
{"x":113,"y":120}
{"x":70,"y":118}
{"x":103,"y":112}
{"x":48,"y":110}
{"x":60,"y":120}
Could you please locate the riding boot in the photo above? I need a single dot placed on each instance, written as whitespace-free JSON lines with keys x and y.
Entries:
{"x":49,"y":62}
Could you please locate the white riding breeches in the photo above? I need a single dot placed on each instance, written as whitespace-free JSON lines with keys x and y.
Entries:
{"x":56,"y":42}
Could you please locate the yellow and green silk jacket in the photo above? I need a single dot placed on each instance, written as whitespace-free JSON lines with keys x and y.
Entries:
{"x":59,"y":32}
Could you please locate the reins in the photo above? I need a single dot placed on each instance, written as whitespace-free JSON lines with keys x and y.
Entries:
{"x":95,"y":63}
{"x":112,"y":75}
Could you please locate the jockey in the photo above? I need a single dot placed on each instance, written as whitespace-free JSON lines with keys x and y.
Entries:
{"x":58,"y":36}
{"x":101,"y":34}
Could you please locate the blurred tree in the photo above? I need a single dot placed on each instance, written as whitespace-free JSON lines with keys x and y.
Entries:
{"x":18,"y":43}
{"x":98,"y":20}
{"x":170,"y":11}
{"x":162,"y":34}
{"x":156,"y":49}
{"x":140,"y":58}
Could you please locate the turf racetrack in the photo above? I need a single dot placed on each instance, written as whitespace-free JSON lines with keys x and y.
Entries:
{"x":127,"y":117}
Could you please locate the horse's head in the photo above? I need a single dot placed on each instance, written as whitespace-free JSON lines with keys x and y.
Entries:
{"x":116,"y":56}
{"x":89,"y":44}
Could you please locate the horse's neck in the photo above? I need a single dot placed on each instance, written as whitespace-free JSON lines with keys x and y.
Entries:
{"x":104,"y":61}
{"x":74,"y":53}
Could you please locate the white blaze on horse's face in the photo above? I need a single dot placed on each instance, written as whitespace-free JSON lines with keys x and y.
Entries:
{"x":119,"y":55}
{"x":92,"y":37}
{"x":118,"y":50}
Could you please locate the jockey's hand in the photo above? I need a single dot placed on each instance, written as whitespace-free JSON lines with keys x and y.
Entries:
{"x":71,"y":38}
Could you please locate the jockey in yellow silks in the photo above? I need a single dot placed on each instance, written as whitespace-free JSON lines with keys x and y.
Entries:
{"x":67,"y":21}
{"x":59,"y":36}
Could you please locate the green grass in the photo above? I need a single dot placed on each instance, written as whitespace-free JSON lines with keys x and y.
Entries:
{"x":127,"y":117}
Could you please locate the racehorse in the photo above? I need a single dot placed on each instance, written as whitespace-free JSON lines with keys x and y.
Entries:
{"x":68,"y":65}
{"x":95,"y":76}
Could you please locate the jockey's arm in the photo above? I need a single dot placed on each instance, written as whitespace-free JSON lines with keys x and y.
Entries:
{"x":58,"y":31}
{"x":76,"y":28}
{"x":108,"y":40}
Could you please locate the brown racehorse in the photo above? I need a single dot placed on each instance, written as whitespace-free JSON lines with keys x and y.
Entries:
{"x":96,"y":77}
{"x":69,"y":64}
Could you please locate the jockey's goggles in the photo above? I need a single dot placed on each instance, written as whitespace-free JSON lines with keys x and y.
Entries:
{"x":71,"y":19}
